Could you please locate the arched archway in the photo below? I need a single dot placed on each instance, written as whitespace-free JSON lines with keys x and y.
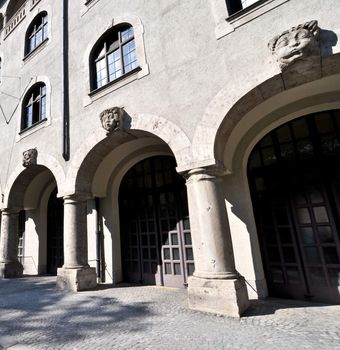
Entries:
{"x":29,"y":194}
{"x":294,"y":176}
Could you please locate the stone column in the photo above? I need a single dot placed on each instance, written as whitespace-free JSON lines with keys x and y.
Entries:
{"x":76,"y":274}
{"x":9,"y":265}
{"x":215,"y":286}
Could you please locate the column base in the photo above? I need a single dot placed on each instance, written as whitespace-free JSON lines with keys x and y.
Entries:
{"x":77,"y":279}
{"x":227,"y":297}
{"x":11,"y":269}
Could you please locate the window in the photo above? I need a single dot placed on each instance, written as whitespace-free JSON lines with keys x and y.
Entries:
{"x":238,"y":5}
{"x":34,"y":106}
{"x":36,"y":33}
{"x":113,"y":56}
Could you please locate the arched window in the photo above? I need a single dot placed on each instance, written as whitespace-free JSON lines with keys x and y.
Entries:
{"x":113,"y":56}
{"x":36,"y":33}
{"x":34,"y":106}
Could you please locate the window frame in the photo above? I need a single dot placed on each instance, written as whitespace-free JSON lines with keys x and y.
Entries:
{"x":39,"y":23}
{"x":30,"y":100}
{"x":109,"y":46}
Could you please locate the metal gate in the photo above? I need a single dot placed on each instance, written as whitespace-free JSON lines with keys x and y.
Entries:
{"x":294,"y":175}
{"x":155,"y":230}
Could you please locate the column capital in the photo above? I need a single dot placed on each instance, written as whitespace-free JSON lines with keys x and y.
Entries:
{"x":205,"y":173}
{"x":10,"y":211}
{"x":76,"y":197}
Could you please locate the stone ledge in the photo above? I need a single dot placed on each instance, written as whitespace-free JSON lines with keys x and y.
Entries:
{"x":225,"y":297}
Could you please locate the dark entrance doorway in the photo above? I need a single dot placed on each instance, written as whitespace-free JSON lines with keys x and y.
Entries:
{"x":155,"y":230}
{"x":55,"y":233}
{"x":294,"y":176}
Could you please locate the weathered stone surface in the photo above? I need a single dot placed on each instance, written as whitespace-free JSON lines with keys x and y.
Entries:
{"x":30,"y":157}
{"x":112,"y":119}
{"x":77,"y":279}
{"x":227,"y":297}
{"x":299,"y":43}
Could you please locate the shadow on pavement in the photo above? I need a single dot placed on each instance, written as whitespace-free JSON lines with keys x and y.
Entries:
{"x":30,"y":305}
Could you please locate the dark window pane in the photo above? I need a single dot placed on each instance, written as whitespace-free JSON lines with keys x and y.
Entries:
{"x":145,"y":253}
{"x":325,"y":234}
{"x":175,"y":254}
{"x":167,"y":269}
{"x":288,"y":255}
{"x":317,"y":276}
{"x":299,"y":198}
{"x":186,"y":225}
{"x":174,"y":239}
{"x":166,"y":252}
{"x":285,"y":235}
{"x":274,"y":254}
{"x":187,"y":238}
{"x":320,"y":214}
{"x":270,"y":236}
{"x":189,"y":254}
{"x":281,"y":216}
{"x":316,"y":196}
{"x":153,"y":253}
{"x":146,"y":267}
{"x":145,"y":239}
{"x":293,"y":275}
{"x":268,"y":155}
{"x":303,"y":216}
{"x":277,"y":275}
{"x":312,"y":255}
{"x":177,"y":269}
{"x":190,"y":269}
{"x":307,"y":234}
{"x":331,"y":255}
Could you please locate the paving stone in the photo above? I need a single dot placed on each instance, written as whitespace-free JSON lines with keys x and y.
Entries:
{"x":35,"y":314}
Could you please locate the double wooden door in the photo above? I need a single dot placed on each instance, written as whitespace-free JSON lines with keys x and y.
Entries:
{"x":155,"y":230}
{"x":296,"y":198}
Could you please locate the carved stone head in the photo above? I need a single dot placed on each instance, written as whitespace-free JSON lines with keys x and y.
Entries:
{"x":112,"y":119}
{"x":297,"y":43}
{"x":30,"y":157}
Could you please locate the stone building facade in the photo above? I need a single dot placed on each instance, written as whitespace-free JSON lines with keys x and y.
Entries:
{"x":179,"y":143}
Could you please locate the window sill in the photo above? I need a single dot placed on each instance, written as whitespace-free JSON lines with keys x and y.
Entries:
{"x":32,"y":126}
{"x":114,"y":82}
{"x":35,"y":50}
{"x":228,"y":25}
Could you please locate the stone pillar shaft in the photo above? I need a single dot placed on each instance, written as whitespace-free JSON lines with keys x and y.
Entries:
{"x":75,"y":233}
{"x":9,"y":264}
{"x":212,"y":244}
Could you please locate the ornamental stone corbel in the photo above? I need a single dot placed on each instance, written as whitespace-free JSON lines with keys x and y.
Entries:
{"x":112,"y":119}
{"x":30,"y":157}
{"x":298,"y":44}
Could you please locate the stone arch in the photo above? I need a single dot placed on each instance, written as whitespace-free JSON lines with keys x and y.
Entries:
{"x":229,"y":106}
{"x":97,"y":146}
{"x":21,"y":177}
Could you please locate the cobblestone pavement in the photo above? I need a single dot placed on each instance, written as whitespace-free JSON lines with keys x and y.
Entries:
{"x":35,"y":315}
